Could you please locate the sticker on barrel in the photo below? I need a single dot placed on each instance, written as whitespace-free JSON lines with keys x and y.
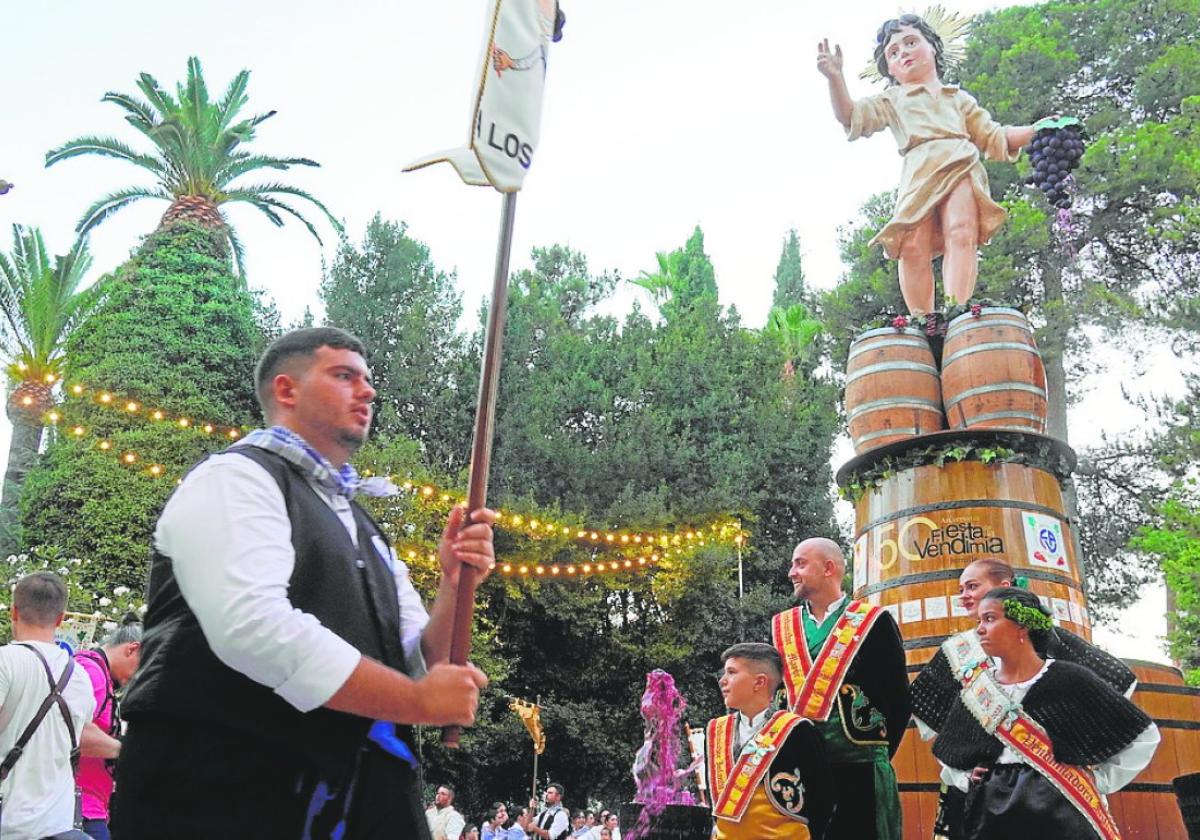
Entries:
{"x":1045,"y":542}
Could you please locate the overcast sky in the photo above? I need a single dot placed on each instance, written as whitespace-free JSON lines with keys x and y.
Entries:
{"x":659,"y":115}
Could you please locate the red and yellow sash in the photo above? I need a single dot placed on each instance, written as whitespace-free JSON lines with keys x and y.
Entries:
{"x":733,"y":783}
{"x":812,"y":686}
{"x":1007,"y":721}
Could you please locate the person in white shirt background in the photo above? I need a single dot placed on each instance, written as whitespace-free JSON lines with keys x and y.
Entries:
{"x":39,"y":793}
{"x":445,"y":823}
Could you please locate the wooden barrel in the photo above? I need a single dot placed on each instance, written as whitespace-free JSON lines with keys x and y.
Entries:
{"x":921,"y":526}
{"x":1146,"y":808}
{"x":992,"y":373}
{"x":892,"y":388}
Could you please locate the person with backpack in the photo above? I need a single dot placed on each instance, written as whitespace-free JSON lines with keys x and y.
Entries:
{"x":45,"y":701}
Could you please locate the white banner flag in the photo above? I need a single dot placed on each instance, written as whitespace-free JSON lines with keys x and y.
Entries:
{"x":507,"y":111}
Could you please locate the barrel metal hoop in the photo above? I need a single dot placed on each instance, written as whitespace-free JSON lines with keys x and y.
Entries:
{"x":908,"y":432}
{"x":1168,"y":688}
{"x":980,"y":324}
{"x":1148,"y":787}
{"x":930,"y":787}
{"x":953,"y":574}
{"x":1007,"y":415}
{"x":912,"y":331}
{"x":983,"y":348}
{"x":895,"y":402}
{"x":883,"y":367}
{"x":990,"y":310}
{"x":959,"y":505}
{"x":999,"y":386}
{"x":925,"y":642}
{"x":1171,"y":723}
{"x":1024,"y":428}
{"x":899,"y":341}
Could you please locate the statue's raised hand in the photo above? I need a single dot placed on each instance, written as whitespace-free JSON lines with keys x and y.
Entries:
{"x":829,"y":62}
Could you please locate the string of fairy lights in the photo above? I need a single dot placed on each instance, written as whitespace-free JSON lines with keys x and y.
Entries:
{"x":531,"y":568}
{"x":656,"y":546}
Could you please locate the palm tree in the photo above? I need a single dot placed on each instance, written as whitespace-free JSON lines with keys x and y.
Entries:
{"x":41,"y":303}
{"x":664,"y":284}
{"x":796,"y":331}
{"x":198,"y":154}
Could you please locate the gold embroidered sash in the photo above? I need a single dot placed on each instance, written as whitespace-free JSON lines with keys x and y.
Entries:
{"x":733,"y":782}
{"x":1007,"y":721}
{"x":812,"y":685}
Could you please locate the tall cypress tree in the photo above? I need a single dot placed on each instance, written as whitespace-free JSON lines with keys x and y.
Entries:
{"x":176,"y":334}
{"x":791,"y":288}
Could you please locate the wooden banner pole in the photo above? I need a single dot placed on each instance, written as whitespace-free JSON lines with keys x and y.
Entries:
{"x":481,"y":445}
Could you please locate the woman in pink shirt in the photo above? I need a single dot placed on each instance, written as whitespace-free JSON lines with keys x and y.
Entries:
{"x":109,"y":667}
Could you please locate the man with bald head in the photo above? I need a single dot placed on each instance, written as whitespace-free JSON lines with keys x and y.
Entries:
{"x":844,"y":669}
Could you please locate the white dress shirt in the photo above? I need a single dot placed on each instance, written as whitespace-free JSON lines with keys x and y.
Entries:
{"x":821,"y":618}
{"x":554,"y":820}
{"x":445,"y":823}
{"x":227,"y":532}
{"x":749,"y":727}
{"x":1111,"y":776}
{"x":39,"y":794}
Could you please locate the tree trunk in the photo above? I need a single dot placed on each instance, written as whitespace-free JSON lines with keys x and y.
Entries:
{"x":1056,"y":395}
{"x":22,"y":450}
{"x":1058,"y":329}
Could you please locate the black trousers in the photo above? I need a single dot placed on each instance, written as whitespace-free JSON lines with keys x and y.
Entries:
{"x":854,"y":790}
{"x":189,"y":781}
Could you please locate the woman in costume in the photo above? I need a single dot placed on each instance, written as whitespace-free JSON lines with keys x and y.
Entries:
{"x":1035,"y":742}
{"x":935,"y":689}
{"x":943,"y":204}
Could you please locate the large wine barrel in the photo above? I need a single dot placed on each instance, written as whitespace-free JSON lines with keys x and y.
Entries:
{"x":892,"y":388}
{"x":1147,"y":807}
{"x":992,"y":373}
{"x":921,"y":525}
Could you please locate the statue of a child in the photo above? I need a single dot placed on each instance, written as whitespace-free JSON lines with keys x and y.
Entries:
{"x":942,"y":205}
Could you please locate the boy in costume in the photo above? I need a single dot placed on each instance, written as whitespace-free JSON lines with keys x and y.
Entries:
{"x":766,"y":769}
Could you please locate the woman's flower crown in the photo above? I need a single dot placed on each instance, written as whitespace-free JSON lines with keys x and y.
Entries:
{"x":1028,"y":617}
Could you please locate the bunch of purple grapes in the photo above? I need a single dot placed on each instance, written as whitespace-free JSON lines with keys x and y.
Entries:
{"x":1055,"y":152}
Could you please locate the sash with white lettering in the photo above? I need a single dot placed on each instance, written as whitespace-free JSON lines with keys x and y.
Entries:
{"x":812,"y":685}
{"x":733,"y":783}
{"x":1006,"y":720}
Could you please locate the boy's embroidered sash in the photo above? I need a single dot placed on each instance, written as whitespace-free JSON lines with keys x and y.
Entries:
{"x":812,"y":685}
{"x":1006,"y":720}
{"x":733,"y":783}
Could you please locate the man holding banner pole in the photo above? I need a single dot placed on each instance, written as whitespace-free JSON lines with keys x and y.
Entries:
{"x":284,"y":640}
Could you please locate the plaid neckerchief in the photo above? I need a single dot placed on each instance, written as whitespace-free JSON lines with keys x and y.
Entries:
{"x":295,"y":450}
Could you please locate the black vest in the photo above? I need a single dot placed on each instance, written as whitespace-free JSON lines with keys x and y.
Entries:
{"x":348,"y":589}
